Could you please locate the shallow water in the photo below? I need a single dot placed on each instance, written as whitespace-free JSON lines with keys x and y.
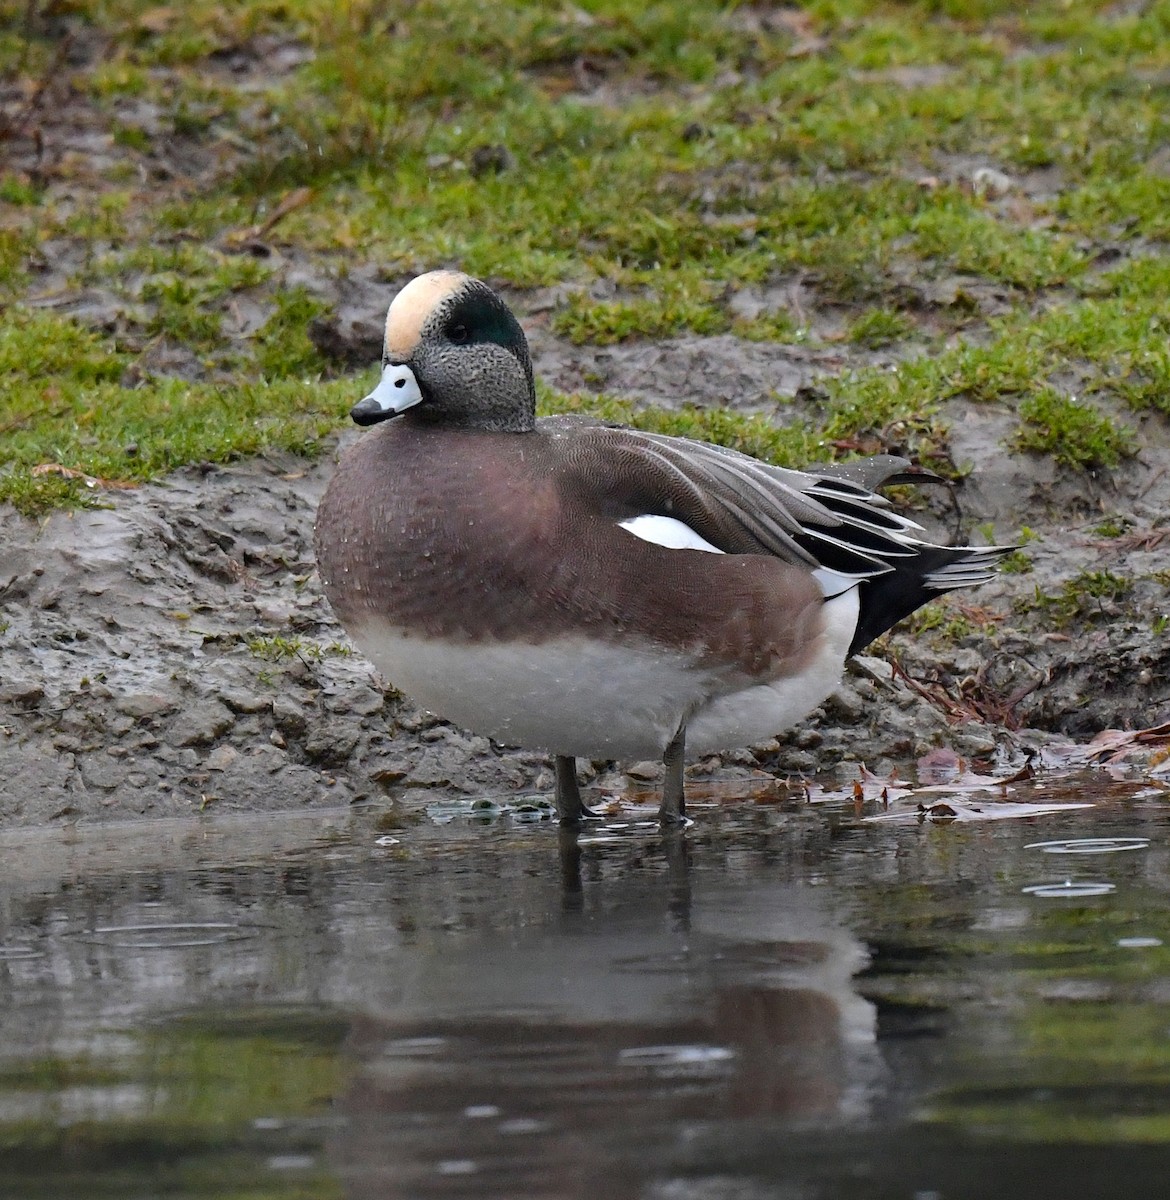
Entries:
{"x":785,"y":1002}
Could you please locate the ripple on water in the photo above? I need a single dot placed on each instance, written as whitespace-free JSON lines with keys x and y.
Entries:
{"x":523,"y":1125}
{"x":1108,"y":845}
{"x":291,"y":1162}
{"x":15,"y":952}
{"x":414,"y":1047}
{"x":1069,"y":890}
{"x":679,"y":1059}
{"x":176,"y":935}
{"x":482,"y":1112}
{"x":457,"y":1166}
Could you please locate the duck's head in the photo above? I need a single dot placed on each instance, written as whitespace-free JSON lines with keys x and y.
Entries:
{"x":454,"y":355}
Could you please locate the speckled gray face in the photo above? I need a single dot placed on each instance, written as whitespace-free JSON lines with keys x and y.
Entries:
{"x":455,"y":356}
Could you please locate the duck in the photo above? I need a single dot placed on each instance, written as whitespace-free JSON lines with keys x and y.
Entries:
{"x":591,"y":590}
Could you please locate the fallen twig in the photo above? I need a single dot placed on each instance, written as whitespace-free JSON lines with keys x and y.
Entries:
{"x":295,"y":199}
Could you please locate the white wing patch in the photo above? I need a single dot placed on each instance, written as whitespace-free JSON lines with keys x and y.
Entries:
{"x":668,"y":532}
{"x":676,"y":535}
{"x":836,"y":583}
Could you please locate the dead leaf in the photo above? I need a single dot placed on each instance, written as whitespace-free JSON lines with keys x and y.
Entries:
{"x":89,"y":480}
{"x":1111,"y":744}
{"x":1144,"y":539}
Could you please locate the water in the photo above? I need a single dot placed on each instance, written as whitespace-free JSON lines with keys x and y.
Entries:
{"x":787,"y":1002}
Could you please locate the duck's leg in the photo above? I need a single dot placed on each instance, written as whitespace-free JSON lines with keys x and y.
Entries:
{"x":572,"y":893}
{"x":570,"y":807}
{"x":674,"y":806}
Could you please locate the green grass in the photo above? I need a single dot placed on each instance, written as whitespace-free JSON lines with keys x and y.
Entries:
{"x":277,"y":648}
{"x":1087,"y":597}
{"x":1075,"y":434}
{"x":653,"y":316}
{"x":877,"y":327}
{"x":64,"y":404}
{"x":665,"y":155}
{"x":1016,"y":563}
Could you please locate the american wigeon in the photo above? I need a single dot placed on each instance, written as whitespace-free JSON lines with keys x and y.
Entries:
{"x":589,"y":589}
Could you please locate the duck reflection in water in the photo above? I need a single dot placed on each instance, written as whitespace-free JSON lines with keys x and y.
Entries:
{"x":624,"y":1019}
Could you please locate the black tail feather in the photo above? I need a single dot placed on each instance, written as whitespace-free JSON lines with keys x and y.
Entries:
{"x":933,"y":571}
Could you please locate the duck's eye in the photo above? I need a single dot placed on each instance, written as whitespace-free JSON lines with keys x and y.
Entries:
{"x":458,"y":334}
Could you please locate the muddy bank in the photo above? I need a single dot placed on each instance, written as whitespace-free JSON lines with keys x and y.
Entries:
{"x":171,"y":652}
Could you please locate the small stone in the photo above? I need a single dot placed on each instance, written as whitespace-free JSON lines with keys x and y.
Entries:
{"x":972,"y":742}
{"x":431,"y":771}
{"x":221,"y":758}
{"x":990,"y":184}
{"x":845,"y":705}
{"x":390,"y":770}
{"x":705,"y":766}
{"x":200,"y":724}
{"x":644,"y":770}
{"x":809,"y":739}
{"x":100,"y":770}
{"x":331,"y":744}
{"x":800,"y":762}
{"x":363,"y":701}
{"x":418,"y":720}
{"x":140,"y":705}
{"x":289,"y":716}
{"x":245,"y":702}
{"x":24,"y":692}
{"x":275,"y":738}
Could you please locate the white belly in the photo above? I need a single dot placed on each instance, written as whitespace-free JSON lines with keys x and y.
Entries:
{"x":594,"y":700}
{"x":756,"y":713}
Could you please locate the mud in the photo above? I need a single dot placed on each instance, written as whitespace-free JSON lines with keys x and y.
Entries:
{"x":171,"y":652}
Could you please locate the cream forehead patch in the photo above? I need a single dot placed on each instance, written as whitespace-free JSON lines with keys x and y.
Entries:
{"x":411,"y":307}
